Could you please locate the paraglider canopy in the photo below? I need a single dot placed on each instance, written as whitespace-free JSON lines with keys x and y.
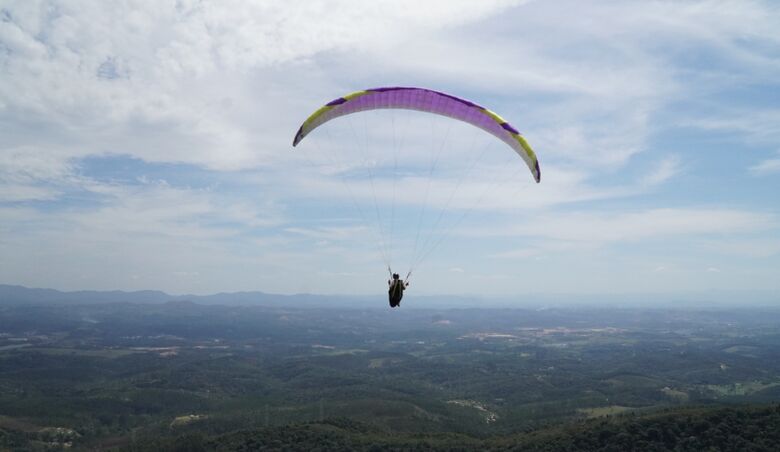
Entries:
{"x":426,"y":100}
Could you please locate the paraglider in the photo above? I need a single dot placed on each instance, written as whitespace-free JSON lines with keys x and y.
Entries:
{"x":396,"y":290}
{"x":423,"y":100}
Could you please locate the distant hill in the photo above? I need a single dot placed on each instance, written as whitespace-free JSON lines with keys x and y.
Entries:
{"x":20,"y":295}
{"x":16,"y":295}
{"x":754,"y":428}
{"x":12,"y":295}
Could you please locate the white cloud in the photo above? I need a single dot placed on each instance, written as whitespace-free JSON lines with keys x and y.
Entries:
{"x":746,"y":247}
{"x":541,"y":248}
{"x":329,"y":234}
{"x":768,"y":166}
{"x":633,"y":226}
{"x":753,"y":124}
{"x":26,"y":174}
{"x":665,"y":170}
{"x":152,"y":209}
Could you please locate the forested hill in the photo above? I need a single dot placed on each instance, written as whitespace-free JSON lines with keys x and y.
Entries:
{"x":744,"y":428}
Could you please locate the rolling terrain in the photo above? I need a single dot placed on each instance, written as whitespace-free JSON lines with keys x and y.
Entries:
{"x":135,"y":375}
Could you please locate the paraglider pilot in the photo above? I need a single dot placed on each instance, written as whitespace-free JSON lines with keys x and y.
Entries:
{"x":396,"y":291}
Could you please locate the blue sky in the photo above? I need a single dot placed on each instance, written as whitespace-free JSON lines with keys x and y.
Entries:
{"x":146,"y":145}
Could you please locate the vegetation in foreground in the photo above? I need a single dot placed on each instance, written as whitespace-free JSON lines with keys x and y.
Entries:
{"x":681,"y":429}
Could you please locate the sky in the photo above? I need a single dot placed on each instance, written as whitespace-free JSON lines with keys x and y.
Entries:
{"x":147,"y":145}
